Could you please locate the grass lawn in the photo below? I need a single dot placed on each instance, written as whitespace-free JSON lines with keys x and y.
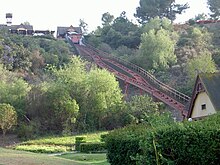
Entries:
{"x":56,"y":144}
{"x":13,"y":157}
{"x":95,"y":159}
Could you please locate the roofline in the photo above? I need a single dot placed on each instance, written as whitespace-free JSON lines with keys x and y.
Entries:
{"x":193,"y":98}
{"x":207,"y":92}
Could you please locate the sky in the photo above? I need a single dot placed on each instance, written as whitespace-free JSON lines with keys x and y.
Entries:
{"x":48,"y":14}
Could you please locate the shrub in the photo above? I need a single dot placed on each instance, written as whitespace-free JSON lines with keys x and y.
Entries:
{"x":92,"y":147}
{"x":25,"y":131}
{"x":78,"y":141}
{"x":103,"y":136}
{"x":123,"y":144}
{"x":41,"y":148}
{"x":196,"y":143}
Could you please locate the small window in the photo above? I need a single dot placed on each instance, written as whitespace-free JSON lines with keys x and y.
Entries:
{"x":203,"y":106}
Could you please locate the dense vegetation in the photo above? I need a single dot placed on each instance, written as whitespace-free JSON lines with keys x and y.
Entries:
{"x":174,"y":53}
{"x":194,"y":142}
{"x":49,"y":90}
{"x":62,"y":96}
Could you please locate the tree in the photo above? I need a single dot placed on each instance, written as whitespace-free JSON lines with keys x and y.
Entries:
{"x":121,"y":32}
{"x":107,"y":19}
{"x":193,"y":42}
{"x":8,"y":117}
{"x":202,"y":64}
{"x":13,"y":90}
{"x":158,"y":23}
{"x":157,"y":50}
{"x":83,"y":25}
{"x":214,"y":6}
{"x":142,"y":106}
{"x":103,"y":94}
{"x":149,"y":9}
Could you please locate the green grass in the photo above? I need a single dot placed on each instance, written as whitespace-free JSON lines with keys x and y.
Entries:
{"x":98,"y":159}
{"x":56,"y":144}
{"x":43,"y":148}
{"x":13,"y":157}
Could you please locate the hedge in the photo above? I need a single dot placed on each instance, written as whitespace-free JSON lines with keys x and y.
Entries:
{"x":78,"y":141}
{"x":196,"y":143}
{"x":92,"y":147}
{"x":123,"y":145}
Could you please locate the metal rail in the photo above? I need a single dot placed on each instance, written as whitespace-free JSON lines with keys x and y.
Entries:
{"x":135,"y":80}
{"x":173,"y":92}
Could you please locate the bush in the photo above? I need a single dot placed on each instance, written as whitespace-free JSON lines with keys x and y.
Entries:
{"x":196,"y":143}
{"x":92,"y":147}
{"x":25,"y":131}
{"x":103,"y":137}
{"x":123,"y":144}
{"x":42,"y":148}
{"x":78,"y":141}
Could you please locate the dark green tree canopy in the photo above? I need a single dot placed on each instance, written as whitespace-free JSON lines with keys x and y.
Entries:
{"x":214,"y":6}
{"x":107,"y":19}
{"x":163,"y":8}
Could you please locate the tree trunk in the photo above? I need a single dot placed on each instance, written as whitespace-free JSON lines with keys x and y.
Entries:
{"x":3,"y":135}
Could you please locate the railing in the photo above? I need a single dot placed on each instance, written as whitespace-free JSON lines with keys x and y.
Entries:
{"x":171,"y":91}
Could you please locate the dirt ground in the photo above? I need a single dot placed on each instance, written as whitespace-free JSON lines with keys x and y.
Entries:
{"x":9,"y":140}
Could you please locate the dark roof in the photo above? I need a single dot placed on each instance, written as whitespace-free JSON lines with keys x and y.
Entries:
{"x":64,"y":30}
{"x":211,"y":85}
{"x":3,"y":26}
{"x":15,"y":27}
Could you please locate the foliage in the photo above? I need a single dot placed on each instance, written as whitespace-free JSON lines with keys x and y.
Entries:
{"x":8,"y":117}
{"x":193,"y":42}
{"x":157,"y":23}
{"x":149,"y":9}
{"x":24,"y":54}
{"x":107,"y":19}
{"x":58,"y":144}
{"x":78,"y":141}
{"x":157,"y":50}
{"x":42,"y":149}
{"x":142,"y":107}
{"x":202,"y":64}
{"x":13,"y":90}
{"x":214,"y":6}
{"x":83,"y":25}
{"x":117,"y":32}
{"x":178,"y":143}
{"x":92,"y":147}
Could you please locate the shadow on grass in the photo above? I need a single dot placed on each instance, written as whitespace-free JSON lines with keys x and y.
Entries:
{"x":95,"y":159}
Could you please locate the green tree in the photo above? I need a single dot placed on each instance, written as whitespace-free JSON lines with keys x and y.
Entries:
{"x":193,"y":42}
{"x":8,"y":117}
{"x":103,"y":94}
{"x":214,"y":6}
{"x":13,"y":90}
{"x":121,"y":32}
{"x":64,"y":107}
{"x":157,"y":23}
{"x":149,"y":9}
{"x":157,"y":50}
{"x":107,"y":19}
{"x":141,"y":107}
{"x":83,"y":25}
{"x":202,"y":64}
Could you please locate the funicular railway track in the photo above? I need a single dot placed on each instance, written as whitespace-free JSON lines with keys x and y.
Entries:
{"x":136,"y":76}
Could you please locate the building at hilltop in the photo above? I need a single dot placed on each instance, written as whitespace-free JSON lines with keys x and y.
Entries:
{"x":73,"y":33}
{"x":23,"y":29}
